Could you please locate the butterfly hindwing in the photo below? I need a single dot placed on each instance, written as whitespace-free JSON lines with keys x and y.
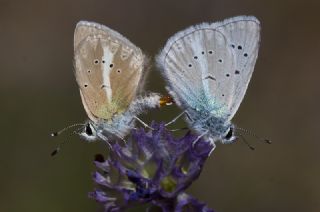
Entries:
{"x":243,"y":34}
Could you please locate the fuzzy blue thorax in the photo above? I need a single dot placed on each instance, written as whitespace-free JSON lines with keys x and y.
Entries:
{"x":204,"y":121}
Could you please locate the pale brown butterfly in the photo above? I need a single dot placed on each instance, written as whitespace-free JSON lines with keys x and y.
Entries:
{"x":110,"y":71}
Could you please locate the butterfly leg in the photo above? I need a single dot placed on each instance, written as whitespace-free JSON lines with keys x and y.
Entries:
{"x":177,"y":117}
{"x":198,"y":138}
{"x":182,"y":128}
{"x":143,"y":123}
{"x":121,"y":138}
{"x":131,"y":126}
{"x":213,"y":145}
{"x":105,"y":139}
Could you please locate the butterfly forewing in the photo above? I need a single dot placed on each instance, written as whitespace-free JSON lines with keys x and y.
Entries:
{"x":178,"y":63}
{"x":108,"y":69}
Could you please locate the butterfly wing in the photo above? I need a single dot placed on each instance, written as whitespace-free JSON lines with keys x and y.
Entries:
{"x":243,"y":35}
{"x":205,"y":69}
{"x":108,"y":69}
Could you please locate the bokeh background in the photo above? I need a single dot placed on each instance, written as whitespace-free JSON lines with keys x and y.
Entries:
{"x":39,"y":95}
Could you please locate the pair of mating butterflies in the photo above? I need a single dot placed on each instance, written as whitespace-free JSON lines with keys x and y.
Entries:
{"x":207,"y":68}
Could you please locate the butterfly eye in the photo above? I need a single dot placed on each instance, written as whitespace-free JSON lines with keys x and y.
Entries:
{"x":96,"y":61}
{"x":229,"y":134}
{"x":88,"y":130}
{"x":111,"y":65}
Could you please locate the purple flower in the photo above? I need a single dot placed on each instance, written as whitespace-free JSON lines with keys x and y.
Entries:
{"x":152,"y":168}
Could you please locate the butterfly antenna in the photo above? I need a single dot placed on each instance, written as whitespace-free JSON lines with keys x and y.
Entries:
{"x":178,"y":129}
{"x":254,"y":135}
{"x":54,"y":134}
{"x":246,"y":142}
{"x":56,"y":151}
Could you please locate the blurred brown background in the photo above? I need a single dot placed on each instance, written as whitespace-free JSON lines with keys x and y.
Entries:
{"x":39,"y":95}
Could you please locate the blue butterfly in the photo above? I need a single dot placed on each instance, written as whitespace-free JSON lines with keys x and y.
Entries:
{"x":208,"y":68}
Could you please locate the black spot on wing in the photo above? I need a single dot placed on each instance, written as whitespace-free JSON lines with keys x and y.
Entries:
{"x":210,"y":77}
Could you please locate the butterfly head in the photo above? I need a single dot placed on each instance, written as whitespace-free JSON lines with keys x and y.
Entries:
{"x":229,"y":136}
{"x":89,"y":132}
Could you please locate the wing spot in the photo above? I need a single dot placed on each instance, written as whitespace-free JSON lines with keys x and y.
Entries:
{"x":190,"y":65}
{"x":195,"y":57}
{"x":233,"y":46}
{"x":237,"y":72}
{"x":85,"y":85}
{"x":220,"y":60}
{"x":210,"y":52}
{"x":96,"y":61}
{"x":103,"y":61}
{"x":89,"y":71}
{"x":210,"y":77}
{"x":239,"y":47}
{"x":202,"y":52}
{"x":222,"y":94}
{"x":111,"y":65}
{"x":227,"y":75}
{"x":245,"y":54}
{"x":119,"y":70}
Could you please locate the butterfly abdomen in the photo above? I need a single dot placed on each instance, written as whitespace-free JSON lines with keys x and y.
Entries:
{"x":142,"y":104}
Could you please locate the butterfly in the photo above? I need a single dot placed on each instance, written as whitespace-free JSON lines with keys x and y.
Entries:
{"x":207,"y":68}
{"x":109,"y":71}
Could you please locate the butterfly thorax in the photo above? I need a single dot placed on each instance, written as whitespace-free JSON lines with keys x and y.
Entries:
{"x":118,"y":126}
{"x":204,"y":121}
